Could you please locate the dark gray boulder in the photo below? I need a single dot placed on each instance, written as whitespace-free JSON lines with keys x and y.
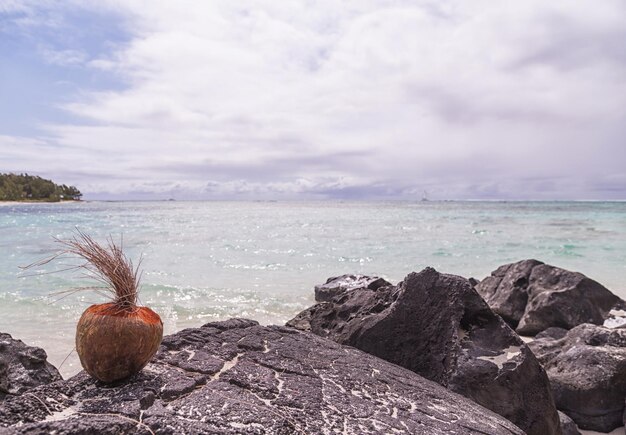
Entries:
{"x":587,"y":370}
{"x":439,"y":327}
{"x":335,"y":286}
{"x":23,"y":367}
{"x":567,"y":425}
{"x":237,"y":377}
{"x":532,"y":296}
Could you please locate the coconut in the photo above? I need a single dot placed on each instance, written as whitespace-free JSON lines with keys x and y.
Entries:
{"x":113,"y":344}
{"x":117,"y":339}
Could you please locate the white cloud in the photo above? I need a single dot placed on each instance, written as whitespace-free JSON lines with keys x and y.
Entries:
{"x":258,"y":96}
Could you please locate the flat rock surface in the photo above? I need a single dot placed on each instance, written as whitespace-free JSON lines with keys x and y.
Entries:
{"x":532,"y":296}
{"x":238,"y":377}
{"x":23,"y":367}
{"x":587,"y":370}
{"x":439,"y":327}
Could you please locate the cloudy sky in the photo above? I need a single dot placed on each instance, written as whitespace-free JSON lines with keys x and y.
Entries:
{"x":317,"y":99}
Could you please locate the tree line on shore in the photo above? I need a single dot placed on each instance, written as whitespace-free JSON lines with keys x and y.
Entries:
{"x":24,"y":187}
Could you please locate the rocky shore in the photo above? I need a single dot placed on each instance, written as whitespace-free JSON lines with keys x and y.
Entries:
{"x":434,"y":354}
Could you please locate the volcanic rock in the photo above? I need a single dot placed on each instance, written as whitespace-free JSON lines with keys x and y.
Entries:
{"x":587,"y":370}
{"x":23,"y":367}
{"x":532,"y":296}
{"x":439,"y":327}
{"x":339,"y":284}
{"x":567,"y":425}
{"x":237,"y":377}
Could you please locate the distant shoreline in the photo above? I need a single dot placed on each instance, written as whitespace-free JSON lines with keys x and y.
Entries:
{"x":359,"y":200}
{"x":6,"y":203}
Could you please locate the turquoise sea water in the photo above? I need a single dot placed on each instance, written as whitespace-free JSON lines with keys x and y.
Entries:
{"x":206,"y":261}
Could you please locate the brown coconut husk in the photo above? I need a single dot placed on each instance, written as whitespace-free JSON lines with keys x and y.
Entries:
{"x":113,"y":344}
{"x":114,"y":340}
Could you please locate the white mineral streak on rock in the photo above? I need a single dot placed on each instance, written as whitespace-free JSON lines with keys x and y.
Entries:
{"x":499,"y":360}
{"x":330,"y":380}
{"x":280,"y":382}
{"x":238,"y":425}
{"x":61,"y":415}
{"x":227,"y":366}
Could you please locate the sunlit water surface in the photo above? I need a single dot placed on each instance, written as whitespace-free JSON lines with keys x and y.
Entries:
{"x":206,"y":261}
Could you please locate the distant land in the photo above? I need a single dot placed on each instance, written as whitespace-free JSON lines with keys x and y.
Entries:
{"x":24,"y":187}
